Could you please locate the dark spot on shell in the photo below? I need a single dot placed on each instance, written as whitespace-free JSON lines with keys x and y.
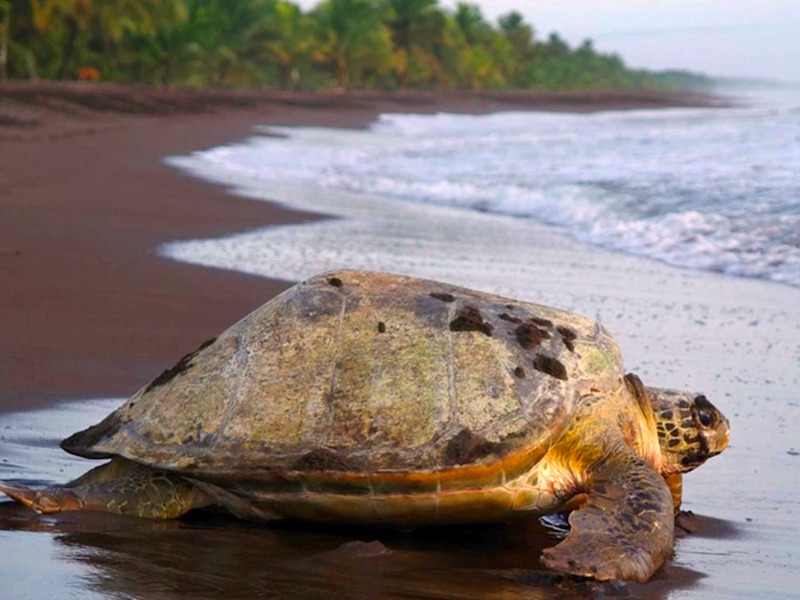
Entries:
{"x":550,"y":366}
{"x":381,"y":327}
{"x":511,"y":307}
{"x":443,"y":296}
{"x":667,"y":414}
{"x":519,"y":373}
{"x":335,"y":282}
{"x":470,"y":319}
{"x":541,"y":322}
{"x":566,"y":333}
{"x":467,"y":447}
{"x":529,"y":336}
{"x":509,"y":318}
{"x":673,"y":442}
{"x":670,"y":427}
{"x":683,"y":404}
{"x":181,"y":366}
{"x":568,"y":337}
{"x":322,"y":459}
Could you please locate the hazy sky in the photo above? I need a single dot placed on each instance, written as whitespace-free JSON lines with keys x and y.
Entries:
{"x":751,"y":38}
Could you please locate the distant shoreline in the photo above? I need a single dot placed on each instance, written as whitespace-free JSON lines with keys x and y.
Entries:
{"x":30,"y":106}
{"x":89,"y":309}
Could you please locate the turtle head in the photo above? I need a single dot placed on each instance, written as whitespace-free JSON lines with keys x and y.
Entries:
{"x":690,"y":429}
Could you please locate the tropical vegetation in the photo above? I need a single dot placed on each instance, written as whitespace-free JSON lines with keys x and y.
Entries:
{"x":387,"y":44}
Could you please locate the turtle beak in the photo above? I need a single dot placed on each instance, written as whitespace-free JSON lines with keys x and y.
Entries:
{"x":724,"y":435}
{"x":718,"y":437}
{"x":713,"y":426}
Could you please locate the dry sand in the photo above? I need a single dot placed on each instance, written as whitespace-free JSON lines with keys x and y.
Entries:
{"x":87,"y":309}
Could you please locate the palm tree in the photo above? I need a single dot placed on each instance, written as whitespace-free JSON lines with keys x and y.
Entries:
{"x":143,"y":40}
{"x":517,"y":31}
{"x":407,"y":16}
{"x":519,"y":36}
{"x":285,"y":41}
{"x":481,"y":49}
{"x":86,"y":22}
{"x":472,"y":24}
{"x":352,"y":39}
{"x":76,"y":15}
{"x":418,"y":29}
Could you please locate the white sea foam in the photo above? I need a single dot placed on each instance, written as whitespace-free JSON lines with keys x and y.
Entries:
{"x":706,"y":189}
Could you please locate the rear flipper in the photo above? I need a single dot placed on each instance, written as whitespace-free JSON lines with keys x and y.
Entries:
{"x":120,"y":486}
{"x":625,"y":528}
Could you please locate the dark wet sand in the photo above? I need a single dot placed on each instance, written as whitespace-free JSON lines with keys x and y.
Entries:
{"x":88,"y":310}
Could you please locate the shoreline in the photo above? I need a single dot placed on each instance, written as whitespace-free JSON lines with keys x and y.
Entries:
{"x":90,"y":309}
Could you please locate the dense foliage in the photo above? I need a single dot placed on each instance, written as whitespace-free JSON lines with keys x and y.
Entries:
{"x":385,"y":44}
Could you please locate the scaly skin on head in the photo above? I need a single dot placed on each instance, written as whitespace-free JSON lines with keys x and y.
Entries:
{"x":690,"y":429}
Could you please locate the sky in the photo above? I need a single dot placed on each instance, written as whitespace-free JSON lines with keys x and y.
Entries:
{"x":728,"y":38}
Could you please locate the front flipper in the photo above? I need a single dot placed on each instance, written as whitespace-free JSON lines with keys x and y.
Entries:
{"x":625,"y":528}
{"x":120,"y":486}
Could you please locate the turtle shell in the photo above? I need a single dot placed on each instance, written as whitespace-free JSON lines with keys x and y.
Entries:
{"x":364,"y":372}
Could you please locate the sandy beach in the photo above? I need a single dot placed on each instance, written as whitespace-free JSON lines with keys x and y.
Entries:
{"x":89,"y":310}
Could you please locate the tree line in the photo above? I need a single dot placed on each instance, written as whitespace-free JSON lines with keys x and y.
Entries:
{"x":386,"y":44}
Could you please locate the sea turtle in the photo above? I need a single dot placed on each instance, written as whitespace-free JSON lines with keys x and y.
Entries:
{"x":364,"y":397}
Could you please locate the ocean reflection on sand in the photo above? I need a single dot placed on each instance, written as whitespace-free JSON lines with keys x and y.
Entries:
{"x":91,"y":555}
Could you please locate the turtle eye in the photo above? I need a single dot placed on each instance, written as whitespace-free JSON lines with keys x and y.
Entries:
{"x":705,"y":418}
{"x":703,"y":411}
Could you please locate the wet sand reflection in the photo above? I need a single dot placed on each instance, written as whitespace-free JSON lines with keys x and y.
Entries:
{"x":213,"y":556}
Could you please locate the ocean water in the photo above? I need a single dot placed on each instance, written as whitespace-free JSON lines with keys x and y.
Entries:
{"x":709,"y":189}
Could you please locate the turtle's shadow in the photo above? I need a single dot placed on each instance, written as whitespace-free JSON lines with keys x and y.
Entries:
{"x":708,"y":527}
{"x":205,"y":553}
